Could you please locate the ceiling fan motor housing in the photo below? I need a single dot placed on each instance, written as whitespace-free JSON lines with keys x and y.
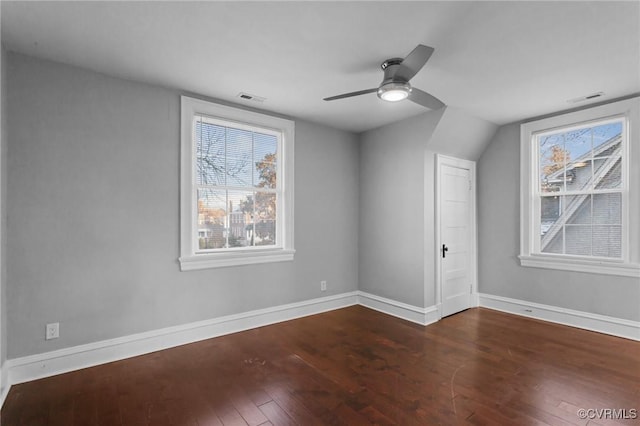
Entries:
{"x":390,"y":67}
{"x":392,"y":88}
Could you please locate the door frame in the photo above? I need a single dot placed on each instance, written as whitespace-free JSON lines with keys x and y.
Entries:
{"x":473,"y":249}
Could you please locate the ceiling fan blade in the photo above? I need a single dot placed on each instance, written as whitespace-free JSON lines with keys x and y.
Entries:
{"x":425,"y":99}
{"x":413,"y":62}
{"x":348,"y":95}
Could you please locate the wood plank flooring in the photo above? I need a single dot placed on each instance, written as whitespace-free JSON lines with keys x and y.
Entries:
{"x":355,"y":366}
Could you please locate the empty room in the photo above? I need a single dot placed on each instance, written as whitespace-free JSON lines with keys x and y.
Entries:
{"x":320,"y":213}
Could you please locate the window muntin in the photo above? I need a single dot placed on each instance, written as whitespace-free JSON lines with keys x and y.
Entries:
{"x":580,"y":189}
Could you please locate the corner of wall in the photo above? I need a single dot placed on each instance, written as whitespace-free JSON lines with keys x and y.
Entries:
{"x":381,"y":151}
{"x":461,"y":135}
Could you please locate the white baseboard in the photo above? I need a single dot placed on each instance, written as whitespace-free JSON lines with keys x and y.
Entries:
{"x":19,"y":370}
{"x":69,"y":359}
{"x":588,"y":321}
{"x":422,"y":316}
{"x":33,"y":367}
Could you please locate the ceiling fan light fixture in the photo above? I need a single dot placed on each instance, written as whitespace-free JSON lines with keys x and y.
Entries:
{"x":394,"y":92}
{"x":395,"y":83}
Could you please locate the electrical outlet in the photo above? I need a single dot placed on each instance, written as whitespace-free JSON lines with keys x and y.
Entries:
{"x":52,"y":331}
{"x":323,"y":286}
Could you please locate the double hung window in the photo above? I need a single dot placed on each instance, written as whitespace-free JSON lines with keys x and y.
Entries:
{"x":236,"y":189}
{"x":579,"y":200}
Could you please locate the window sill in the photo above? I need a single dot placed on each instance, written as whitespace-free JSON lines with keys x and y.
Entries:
{"x":581,"y":265}
{"x":222,"y":260}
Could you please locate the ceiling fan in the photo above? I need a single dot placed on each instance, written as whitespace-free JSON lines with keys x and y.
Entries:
{"x":395,"y":84}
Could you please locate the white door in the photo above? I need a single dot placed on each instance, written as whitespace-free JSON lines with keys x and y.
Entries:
{"x":456,"y":217}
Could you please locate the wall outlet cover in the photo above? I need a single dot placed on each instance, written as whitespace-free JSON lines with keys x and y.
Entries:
{"x":52,"y":331}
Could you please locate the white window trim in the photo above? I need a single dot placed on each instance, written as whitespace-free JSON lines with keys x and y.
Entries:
{"x":189,"y":259}
{"x":629,"y":265}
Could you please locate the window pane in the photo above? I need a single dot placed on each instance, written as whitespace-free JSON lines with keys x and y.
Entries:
{"x":578,"y":240}
{"x":579,"y":175}
{"x":241,"y":209}
{"x":607,"y":154}
{"x":265,"y":159}
{"x":578,"y":156}
{"x":265,"y":174}
{"x":550,"y":212}
{"x":211,"y":218}
{"x":607,"y":171}
{"x":612,"y":177}
{"x":552,"y":162}
{"x":607,"y":209}
{"x":210,"y":154}
{"x":210,"y":171}
{"x":265,"y":145}
{"x":265,"y":219}
{"x":604,"y":138}
{"x":579,"y":209}
{"x":239,"y":153}
{"x":209,"y":138}
{"x":607,"y":241}
{"x":553,"y":242}
{"x":239,"y":143}
{"x":238,"y":171}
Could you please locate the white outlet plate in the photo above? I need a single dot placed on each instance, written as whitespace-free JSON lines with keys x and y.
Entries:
{"x":323,"y":286}
{"x":52,"y":331}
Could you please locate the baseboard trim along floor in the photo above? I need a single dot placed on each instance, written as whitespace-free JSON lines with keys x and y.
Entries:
{"x":585,"y":320}
{"x":33,"y":367}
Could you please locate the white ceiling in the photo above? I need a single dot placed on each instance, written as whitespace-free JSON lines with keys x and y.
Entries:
{"x":500,"y":61}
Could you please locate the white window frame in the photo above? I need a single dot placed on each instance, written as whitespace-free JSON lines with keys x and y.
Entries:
{"x":530,"y":256}
{"x":190,"y":257}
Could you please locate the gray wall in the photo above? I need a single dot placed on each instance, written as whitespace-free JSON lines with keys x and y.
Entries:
{"x":92,"y":207}
{"x":499,"y":243}
{"x":391,"y":248}
{"x":397,"y":199}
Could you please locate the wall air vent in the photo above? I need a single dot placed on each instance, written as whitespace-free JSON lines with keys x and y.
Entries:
{"x":586,"y":98}
{"x":250,"y":97}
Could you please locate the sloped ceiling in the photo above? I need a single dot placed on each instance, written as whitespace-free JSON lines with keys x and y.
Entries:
{"x":499,"y":61}
{"x":461,"y":135}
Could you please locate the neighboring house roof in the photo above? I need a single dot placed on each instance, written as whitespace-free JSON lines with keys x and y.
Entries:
{"x":612,"y":143}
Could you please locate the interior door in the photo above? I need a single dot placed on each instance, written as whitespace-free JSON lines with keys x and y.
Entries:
{"x":456,"y":213}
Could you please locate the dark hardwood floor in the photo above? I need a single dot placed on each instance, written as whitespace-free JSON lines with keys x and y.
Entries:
{"x":355,"y":366}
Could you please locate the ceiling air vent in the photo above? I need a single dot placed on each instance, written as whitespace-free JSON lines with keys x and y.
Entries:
{"x":586,"y":98}
{"x":249,"y":97}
